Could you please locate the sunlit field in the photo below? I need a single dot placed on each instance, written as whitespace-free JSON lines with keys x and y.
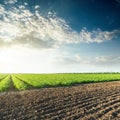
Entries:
{"x":10,"y":82}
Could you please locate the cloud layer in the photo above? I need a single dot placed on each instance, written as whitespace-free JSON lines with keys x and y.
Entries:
{"x":77,"y":59}
{"x":21,"y":26}
{"x":108,"y":60}
{"x":10,"y":1}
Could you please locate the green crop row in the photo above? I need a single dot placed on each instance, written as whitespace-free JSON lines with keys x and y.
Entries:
{"x":43,"y":80}
{"x":19,"y":84}
{"x":5,"y":84}
{"x":2,"y":76}
{"x":27,"y":81}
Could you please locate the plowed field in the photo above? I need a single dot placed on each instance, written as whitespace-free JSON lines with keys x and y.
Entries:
{"x":96,"y":101}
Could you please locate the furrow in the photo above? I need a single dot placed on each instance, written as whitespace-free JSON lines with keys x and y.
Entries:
{"x":85,"y":110}
{"x":108,"y":108}
{"x":71,"y":104}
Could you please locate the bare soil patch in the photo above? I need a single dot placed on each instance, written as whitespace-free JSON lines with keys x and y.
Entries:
{"x":96,"y":101}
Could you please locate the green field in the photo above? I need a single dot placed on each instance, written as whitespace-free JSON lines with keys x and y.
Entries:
{"x":15,"y":82}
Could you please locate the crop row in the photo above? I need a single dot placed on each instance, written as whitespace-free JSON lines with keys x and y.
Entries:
{"x":43,"y":80}
{"x":10,"y":82}
{"x":5,"y":83}
{"x":2,"y":76}
{"x":27,"y":81}
{"x":19,"y":84}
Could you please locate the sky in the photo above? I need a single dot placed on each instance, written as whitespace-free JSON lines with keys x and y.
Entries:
{"x":59,"y":36}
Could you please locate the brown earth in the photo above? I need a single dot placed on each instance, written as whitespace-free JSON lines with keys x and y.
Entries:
{"x":97,"y":101}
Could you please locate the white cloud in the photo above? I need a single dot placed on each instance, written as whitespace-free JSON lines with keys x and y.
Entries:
{"x":101,"y":59}
{"x":21,"y":60}
{"x":25,"y":3}
{"x":66,"y":58}
{"x":108,"y":60}
{"x":37,"y":7}
{"x":20,"y":26}
{"x":77,"y":59}
{"x":98,"y":35}
{"x":10,"y":1}
{"x":2,"y":9}
{"x":79,"y":63}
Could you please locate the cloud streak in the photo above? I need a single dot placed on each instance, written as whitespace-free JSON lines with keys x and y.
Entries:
{"x":77,"y":59}
{"x":108,"y":60}
{"x":10,"y":1}
{"x":20,"y":26}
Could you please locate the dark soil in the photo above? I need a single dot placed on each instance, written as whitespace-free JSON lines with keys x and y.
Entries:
{"x":97,"y":101}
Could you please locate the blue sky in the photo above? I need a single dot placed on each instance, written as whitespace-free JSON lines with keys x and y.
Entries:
{"x":47,"y":36}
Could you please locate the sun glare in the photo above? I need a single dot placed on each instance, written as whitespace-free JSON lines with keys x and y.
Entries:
{"x":6,"y":61}
{"x":22,"y":60}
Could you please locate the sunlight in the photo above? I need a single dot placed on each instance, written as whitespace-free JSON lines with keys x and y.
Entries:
{"x":22,"y":60}
{"x":6,"y":61}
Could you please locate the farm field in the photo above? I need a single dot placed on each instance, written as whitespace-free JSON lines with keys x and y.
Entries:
{"x":21,"y":99}
{"x":59,"y":59}
{"x":17,"y":82}
{"x":96,"y":101}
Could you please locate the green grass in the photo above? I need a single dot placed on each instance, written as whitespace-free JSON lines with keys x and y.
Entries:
{"x":27,"y":81}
